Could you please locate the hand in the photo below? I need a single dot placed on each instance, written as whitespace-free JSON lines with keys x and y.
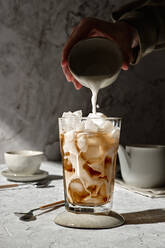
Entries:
{"x":121,"y":32}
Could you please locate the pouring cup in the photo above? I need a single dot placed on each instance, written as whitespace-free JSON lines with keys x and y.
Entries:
{"x":95,"y":61}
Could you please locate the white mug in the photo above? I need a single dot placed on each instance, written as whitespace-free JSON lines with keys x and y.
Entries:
{"x":143,"y":165}
{"x":24,"y":162}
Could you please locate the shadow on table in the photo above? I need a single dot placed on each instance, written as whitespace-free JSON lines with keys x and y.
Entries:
{"x":51,"y":178}
{"x":45,"y":183}
{"x":145,"y":217}
{"x":54,"y":177}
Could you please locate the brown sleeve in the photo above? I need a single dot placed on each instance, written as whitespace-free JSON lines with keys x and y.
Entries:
{"x":149,"y":21}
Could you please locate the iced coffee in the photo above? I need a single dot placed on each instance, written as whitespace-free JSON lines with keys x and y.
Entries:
{"x":89,"y":149}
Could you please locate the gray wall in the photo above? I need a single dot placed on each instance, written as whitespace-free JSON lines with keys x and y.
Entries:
{"x":33,"y":89}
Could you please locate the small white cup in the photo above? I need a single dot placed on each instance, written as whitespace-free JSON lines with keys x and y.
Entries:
{"x":24,"y":162}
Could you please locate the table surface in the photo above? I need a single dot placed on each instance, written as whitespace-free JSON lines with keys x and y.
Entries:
{"x":144,"y":227}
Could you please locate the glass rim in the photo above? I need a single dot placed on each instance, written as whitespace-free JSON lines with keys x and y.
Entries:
{"x":96,"y":118}
{"x":145,"y":146}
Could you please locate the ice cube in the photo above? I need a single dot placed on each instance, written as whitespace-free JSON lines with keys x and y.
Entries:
{"x":78,"y":113}
{"x":82,"y":142}
{"x":95,"y":151}
{"x":66,"y":124}
{"x":116,"y":133}
{"x":77,"y":191}
{"x":98,"y":119}
{"x":90,"y":125}
{"x":79,"y":125}
{"x":107,"y":126}
{"x":69,"y":142}
{"x":72,"y":158}
{"x":67,"y":114}
{"x":99,"y":167}
{"x":97,"y":115}
{"x":72,"y":121}
{"x":103,"y":191}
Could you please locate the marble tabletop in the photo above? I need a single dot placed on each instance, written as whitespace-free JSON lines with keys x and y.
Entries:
{"x":144,"y":227}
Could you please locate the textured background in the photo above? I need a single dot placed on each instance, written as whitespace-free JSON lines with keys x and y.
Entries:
{"x":33,"y":89}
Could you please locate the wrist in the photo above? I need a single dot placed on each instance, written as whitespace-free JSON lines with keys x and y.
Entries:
{"x":132,"y":32}
{"x":132,"y":35}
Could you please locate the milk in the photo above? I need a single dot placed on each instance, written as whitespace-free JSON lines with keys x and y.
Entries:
{"x":95,"y":84}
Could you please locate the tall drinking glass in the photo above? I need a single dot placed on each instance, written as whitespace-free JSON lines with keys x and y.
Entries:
{"x":89,"y":150}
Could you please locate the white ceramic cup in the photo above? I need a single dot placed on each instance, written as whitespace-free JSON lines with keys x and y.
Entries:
{"x":24,"y":162}
{"x":143,"y":165}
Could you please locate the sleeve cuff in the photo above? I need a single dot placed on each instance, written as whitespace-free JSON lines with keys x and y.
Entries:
{"x":147,"y":31}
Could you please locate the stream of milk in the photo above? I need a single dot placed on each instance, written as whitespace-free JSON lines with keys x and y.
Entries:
{"x":94,"y":87}
{"x":94,"y":100}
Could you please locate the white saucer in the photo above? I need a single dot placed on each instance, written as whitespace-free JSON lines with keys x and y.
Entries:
{"x":89,"y":221}
{"x":24,"y":178}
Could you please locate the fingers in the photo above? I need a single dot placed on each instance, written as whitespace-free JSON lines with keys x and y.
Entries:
{"x":98,"y":33}
{"x":69,"y":76}
{"x":66,"y":71}
{"x":77,"y":85}
{"x":127,"y":57}
{"x":79,"y":32}
{"x":124,"y":67}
